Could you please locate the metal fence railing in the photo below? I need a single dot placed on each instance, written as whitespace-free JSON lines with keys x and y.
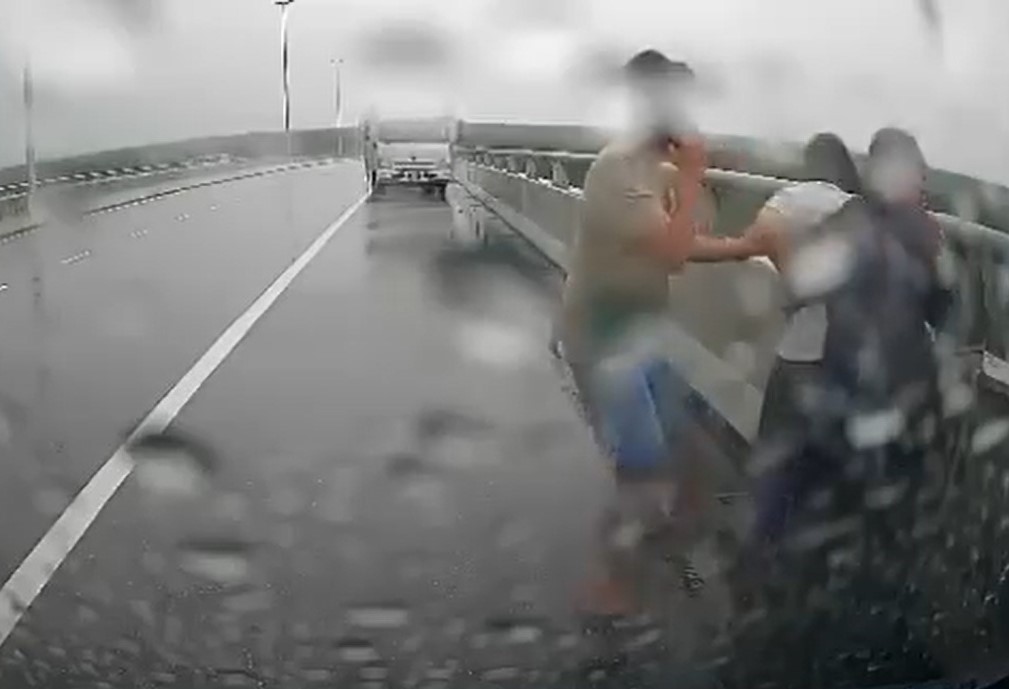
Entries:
{"x":544,"y":188}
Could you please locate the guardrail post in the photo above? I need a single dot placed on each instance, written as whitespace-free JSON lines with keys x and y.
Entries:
{"x":995,"y":303}
{"x":559,"y":175}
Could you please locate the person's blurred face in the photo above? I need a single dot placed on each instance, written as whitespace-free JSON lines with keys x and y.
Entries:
{"x":897,"y":178}
{"x":659,"y":108}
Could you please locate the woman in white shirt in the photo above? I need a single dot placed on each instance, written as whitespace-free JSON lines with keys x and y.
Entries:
{"x":779,"y":229}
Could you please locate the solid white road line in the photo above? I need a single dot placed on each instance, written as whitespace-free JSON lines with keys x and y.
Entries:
{"x":31,"y":576}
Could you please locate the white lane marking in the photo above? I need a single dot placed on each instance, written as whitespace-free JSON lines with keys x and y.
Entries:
{"x":76,"y":258}
{"x":4,"y":287}
{"x":35,"y":571}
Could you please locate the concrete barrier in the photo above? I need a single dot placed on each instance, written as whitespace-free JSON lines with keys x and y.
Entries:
{"x":253,"y":145}
{"x":14,"y":215}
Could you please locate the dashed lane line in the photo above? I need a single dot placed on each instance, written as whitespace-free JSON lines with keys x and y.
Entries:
{"x":76,"y":258}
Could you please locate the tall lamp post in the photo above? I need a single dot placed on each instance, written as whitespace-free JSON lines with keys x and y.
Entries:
{"x":29,"y":106}
{"x":37,"y":430}
{"x":283,"y":5}
{"x":337,"y":65}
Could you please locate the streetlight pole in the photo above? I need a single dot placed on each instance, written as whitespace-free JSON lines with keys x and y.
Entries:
{"x":337,"y":102}
{"x":283,"y":4}
{"x":29,"y":106}
{"x":40,"y":321}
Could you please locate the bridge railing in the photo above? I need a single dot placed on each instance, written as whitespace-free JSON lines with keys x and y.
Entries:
{"x":342,"y":142}
{"x":730,"y":314}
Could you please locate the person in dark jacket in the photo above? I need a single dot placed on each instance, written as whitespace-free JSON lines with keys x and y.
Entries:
{"x":870,"y":273}
{"x":838,"y":510}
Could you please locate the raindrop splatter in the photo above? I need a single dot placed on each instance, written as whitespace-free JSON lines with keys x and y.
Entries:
{"x":516,"y":630}
{"x":356,"y":651}
{"x":989,"y":436}
{"x":223,"y":562}
{"x":172,"y":465}
{"x":876,"y":429}
{"x":501,"y":674}
{"x":820,"y":267}
{"x":390,"y":616}
{"x":496,"y":345}
{"x":374,"y":673}
{"x":249,"y":600}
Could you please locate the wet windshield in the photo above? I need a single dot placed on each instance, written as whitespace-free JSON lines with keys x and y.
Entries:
{"x":495,"y":343}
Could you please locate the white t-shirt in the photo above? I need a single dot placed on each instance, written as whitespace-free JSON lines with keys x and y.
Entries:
{"x":804,"y":206}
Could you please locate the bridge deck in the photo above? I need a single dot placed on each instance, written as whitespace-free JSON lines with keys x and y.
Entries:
{"x":386,"y":468}
{"x":379,"y":480}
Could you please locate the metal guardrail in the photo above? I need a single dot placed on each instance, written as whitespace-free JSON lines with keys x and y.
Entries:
{"x":544,"y":187}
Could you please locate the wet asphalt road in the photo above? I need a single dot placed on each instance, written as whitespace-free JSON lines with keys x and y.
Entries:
{"x":391,"y":472}
{"x":384,"y":484}
{"x":124,"y":303}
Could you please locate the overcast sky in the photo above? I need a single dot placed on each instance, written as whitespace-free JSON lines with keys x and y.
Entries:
{"x":124,"y":72}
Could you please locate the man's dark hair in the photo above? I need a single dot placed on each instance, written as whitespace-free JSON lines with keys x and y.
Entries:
{"x":651,"y":64}
{"x":894,"y":141}
{"x":827,"y":159}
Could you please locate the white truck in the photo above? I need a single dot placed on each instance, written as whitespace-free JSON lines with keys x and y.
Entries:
{"x":413,"y":153}
{"x":421,"y":165}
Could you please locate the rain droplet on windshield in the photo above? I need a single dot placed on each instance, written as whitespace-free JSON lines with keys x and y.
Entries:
{"x":496,"y":345}
{"x":515,"y":630}
{"x":501,"y":674}
{"x":249,"y":600}
{"x":820,"y":267}
{"x":171,"y":465}
{"x":885,"y":497}
{"x":390,"y":616}
{"x":223,"y":562}
{"x":356,"y":651}
{"x":317,"y":675}
{"x":876,"y":429}
{"x":437,"y":422}
{"x":374,"y":673}
{"x":336,"y":505}
{"x":989,"y":436}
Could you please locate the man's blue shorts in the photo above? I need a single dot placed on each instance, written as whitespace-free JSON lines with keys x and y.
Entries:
{"x":638,"y":409}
